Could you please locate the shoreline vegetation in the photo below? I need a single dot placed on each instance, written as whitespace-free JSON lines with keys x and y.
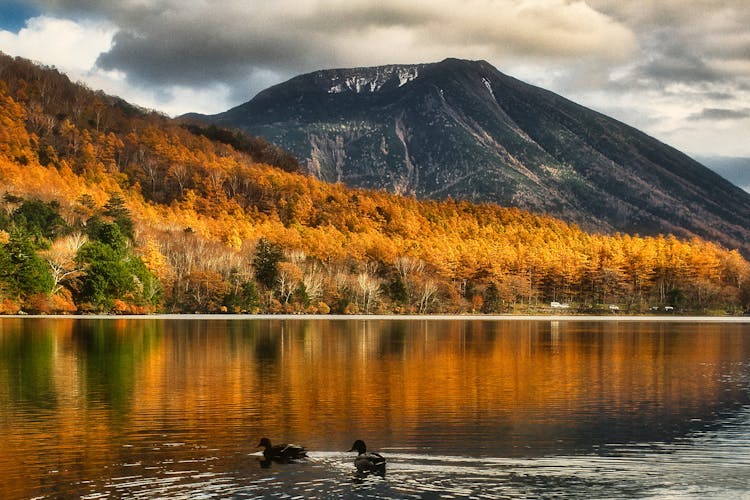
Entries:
{"x":109,"y":209}
{"x":393,"y":317}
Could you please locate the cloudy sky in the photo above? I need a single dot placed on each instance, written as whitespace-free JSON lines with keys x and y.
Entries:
{"x":678,"y":69}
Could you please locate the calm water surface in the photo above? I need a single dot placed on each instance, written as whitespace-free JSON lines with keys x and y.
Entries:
{"x":147,"y":408}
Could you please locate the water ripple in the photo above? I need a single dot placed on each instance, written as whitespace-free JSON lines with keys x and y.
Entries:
{"x":655,"y":470}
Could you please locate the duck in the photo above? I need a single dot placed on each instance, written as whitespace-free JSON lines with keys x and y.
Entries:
{"x":367,"y":462}
{"x":281,"y":452}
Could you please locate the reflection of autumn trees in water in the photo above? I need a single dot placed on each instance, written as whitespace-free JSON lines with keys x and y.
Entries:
{"x":110,"y":391}
{"x":70,"y":390}
{"x":410,"y":368}
{"x":203,"y":211}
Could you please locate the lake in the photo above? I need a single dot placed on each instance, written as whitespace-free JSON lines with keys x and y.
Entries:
{"x":463,"y":408}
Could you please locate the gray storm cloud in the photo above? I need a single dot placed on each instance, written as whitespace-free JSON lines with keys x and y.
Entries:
{"x":720,"y":114}
{"x":198,"y":43}
{"x":662,"y":65}
{"x":690,"y":41}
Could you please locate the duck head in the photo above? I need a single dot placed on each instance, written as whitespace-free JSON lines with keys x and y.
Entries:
{"x":359,"y":446}
{"x":265,"y":443}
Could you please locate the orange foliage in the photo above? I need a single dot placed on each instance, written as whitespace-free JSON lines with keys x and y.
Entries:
{"x":8,"y":306}
{"x":62,"y":303}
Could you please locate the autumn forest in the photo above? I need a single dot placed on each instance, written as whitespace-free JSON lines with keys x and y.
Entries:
{"x":109,"y":208}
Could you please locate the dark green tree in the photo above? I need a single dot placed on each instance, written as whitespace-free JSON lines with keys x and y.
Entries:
{"x":23,"y":271}
{"x":40,"y":220}
{"x":266,"y":263}
{"x":397,"y":291}
{"x":115,"y":209}
{"x":491,"y":298}
{"x":301,"y":296}
{"x":108,"y":233}
{"x":112,"y":271}
{"x":676,"y":297}
{"x":7,"y":271}
{"x":244,"y":298}
{"x":107,"y":274}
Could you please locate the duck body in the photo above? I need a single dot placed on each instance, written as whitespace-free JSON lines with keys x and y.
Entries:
{"x":367,"y":462}
{"x":281,"y":452}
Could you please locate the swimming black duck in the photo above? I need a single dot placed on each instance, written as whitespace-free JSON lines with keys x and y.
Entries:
{"x":367,"y":462}
{"x":281,"y":452}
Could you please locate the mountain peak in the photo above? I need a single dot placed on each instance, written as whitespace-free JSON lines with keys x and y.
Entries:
{"x":372,"y":79}
{"x":478,"y":64}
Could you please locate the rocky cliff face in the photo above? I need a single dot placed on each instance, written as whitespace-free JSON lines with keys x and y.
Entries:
{"x":463,"y":129}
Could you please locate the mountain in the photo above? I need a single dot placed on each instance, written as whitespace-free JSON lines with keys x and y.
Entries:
{"x":463,"y":129}
{"x":734,"y":169}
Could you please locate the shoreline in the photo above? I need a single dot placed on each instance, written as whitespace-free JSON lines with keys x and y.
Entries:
{"x":390,"y":317}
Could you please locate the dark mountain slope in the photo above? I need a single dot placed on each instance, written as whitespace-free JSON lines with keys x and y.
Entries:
{"x":463,"y":129}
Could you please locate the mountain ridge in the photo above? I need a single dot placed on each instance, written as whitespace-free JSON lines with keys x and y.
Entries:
{"x":462,"y":129}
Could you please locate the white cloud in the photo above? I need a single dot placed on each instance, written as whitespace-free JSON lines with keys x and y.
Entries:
{"x":74,"y":48}
{"x":710,"y":138}
{"x":69,"y":45}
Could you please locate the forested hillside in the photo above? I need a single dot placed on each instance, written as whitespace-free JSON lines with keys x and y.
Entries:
{"x":110,"y":208}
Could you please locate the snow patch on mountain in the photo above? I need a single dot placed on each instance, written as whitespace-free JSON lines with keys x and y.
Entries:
{"x":372,"y":81}
{"x":406,"y":75}
{"x":489,"y":87}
